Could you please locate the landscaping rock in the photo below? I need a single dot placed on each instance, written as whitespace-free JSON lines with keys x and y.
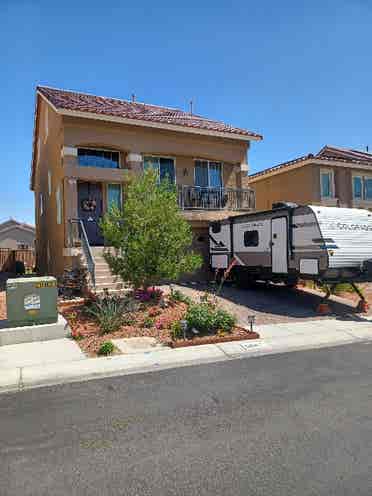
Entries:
{"x":138,"y":345}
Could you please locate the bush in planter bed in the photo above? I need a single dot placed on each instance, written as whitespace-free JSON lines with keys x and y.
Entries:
{"x":110,"y":312}
{"x":106,"y":348}
{"x":207,"y":318}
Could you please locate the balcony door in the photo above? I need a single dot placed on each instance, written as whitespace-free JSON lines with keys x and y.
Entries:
{"x":208,"y":174}
{"x":90,"y":210}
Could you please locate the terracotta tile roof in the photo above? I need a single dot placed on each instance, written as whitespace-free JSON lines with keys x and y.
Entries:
{"x":327,"y":154}
{"x":81,"y":102}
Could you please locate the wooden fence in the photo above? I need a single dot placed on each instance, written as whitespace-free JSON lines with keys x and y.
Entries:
{"x":9,"y":257}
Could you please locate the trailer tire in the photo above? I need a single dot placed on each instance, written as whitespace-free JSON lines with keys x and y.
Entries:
{"x":243,"y":280}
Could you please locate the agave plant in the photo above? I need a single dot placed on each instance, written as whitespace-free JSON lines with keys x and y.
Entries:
{"x":110,"y":312}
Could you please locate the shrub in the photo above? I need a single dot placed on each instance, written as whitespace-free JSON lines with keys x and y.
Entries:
{"x":149,"y":294}
{"x":207,"y":318}
{"x":177,"y":295}
{"x":148,"y":322}
{"x":110,"y":312}
{"x":151,"y":237}
{"x":106,"y":348}
{"x":176,"y":330}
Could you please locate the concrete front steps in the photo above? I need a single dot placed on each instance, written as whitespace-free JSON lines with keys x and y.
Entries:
{"x":105,"y":280}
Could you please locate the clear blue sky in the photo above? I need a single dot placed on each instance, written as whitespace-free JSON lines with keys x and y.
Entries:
{"x":298,"y":72}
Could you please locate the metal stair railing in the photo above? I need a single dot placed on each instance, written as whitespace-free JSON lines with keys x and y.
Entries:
{"x":83,"y":238}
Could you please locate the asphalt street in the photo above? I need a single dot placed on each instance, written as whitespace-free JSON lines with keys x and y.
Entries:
{"x":291,"y":424}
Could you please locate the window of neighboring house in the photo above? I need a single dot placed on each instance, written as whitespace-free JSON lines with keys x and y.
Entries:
{"x":251,"y":238}
{"x":49,"y":182}
{"x":114,"y":195}
{"x":357,"y":187}
{"x":327,"y":183}
{"x":88,"y":157}
{"x":362,"y":188}
{"x":59,"y":204}
{"x":208,"y":174}
{"x":41,"y":205}
{"x":163,"y":166}
{"x":22,"y":246}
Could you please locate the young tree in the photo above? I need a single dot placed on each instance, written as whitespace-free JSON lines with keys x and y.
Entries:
{"x":151,"y":238}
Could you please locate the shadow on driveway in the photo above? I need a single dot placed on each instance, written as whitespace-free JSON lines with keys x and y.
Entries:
{"x":275,"y":303}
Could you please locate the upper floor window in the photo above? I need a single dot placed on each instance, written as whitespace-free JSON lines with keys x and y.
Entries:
{"x":362,"y":188}
{"x":327,"y":188}
{"x":163,"y":166}
{"x":89,"y":157}
{"x":208,"y":174}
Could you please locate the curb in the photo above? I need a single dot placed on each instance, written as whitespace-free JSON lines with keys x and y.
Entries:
{"x":34,"y":376}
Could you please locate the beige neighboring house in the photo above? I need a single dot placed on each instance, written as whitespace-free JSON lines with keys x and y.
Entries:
{"x":16,"y":235}
{"x":332,"y":177}
{"x":85,"y":149}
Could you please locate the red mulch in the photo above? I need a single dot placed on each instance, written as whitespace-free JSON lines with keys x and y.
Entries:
{"x":89,"y":338}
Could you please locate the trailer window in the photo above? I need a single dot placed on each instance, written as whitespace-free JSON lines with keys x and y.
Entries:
{"x":251,"y":238}
{"x":216,"y":227}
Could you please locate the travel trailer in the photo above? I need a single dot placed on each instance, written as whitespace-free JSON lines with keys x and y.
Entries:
{"x":291,"y":242}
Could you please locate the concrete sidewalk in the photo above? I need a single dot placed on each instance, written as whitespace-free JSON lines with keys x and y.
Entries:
{"x":72,"y":366}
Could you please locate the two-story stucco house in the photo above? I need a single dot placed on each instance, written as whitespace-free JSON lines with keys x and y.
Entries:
{"x":332,"y":177}
{"x":86,"y":147}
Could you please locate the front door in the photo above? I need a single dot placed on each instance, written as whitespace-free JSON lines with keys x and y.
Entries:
{"x":279,"y":245}
{"x":90,"y":210}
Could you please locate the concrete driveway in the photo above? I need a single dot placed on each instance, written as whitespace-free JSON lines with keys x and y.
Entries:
{"x":273,"y":304}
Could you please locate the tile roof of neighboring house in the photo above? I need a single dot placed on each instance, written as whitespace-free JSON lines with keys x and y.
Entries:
{"x":11,"y":223}
{"x":327,"y":153}
{"x":104,"y":106}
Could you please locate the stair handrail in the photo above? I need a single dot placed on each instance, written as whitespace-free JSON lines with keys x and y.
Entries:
{"x":86,"y":249}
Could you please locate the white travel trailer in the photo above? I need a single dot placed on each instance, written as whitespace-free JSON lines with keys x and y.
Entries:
{"x":325,"y":244}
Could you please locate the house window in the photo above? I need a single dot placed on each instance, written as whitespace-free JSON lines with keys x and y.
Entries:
{"x":114,"y":195}
{"x":88,"y":157}
{"x":22,"y":246}
{"x":326,"y":183}
{"x":41,"y":205}
{"x":357,"y":188}
{"x":208,"y":174}
{"x":251,"y":238}
{"x":362,"y":188}
{"x":163,"y":166}
{"x":59,"y":204}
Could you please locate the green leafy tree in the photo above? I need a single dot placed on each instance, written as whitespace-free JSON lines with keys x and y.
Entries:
{"x":151,"y":238}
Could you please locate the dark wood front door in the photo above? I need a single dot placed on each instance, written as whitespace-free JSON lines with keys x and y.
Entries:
{"x":90,"y":206}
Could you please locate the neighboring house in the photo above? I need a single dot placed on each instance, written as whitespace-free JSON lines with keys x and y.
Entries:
{"x":86,"y":147}
{"x":16,"y":235}
{"x":334,"y":177}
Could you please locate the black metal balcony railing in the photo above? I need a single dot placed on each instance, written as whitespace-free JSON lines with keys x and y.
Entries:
{"x":193,"y":197}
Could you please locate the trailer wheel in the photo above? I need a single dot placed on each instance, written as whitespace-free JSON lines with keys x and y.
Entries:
{"x":243,"y":280}
{"x":291,"y":283}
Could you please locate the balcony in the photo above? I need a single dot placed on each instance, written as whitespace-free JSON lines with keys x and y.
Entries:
{"x":197,"y":198}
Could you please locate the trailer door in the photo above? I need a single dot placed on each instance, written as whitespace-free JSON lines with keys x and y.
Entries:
{"x":279,"y":245}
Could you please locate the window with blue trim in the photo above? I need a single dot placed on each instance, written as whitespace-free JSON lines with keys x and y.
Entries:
{"x":208,"y":174}
{"x":88,"y":157}
{"x":163,"y":166}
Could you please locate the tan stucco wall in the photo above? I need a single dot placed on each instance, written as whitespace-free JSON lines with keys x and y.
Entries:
{"x":47,"y":229}
{"x":302,"y":185}
{"x":184,"y":148}
{"x":299,"y":185}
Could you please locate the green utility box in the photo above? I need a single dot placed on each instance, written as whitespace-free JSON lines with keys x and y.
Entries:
{"x":31,"y":300}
